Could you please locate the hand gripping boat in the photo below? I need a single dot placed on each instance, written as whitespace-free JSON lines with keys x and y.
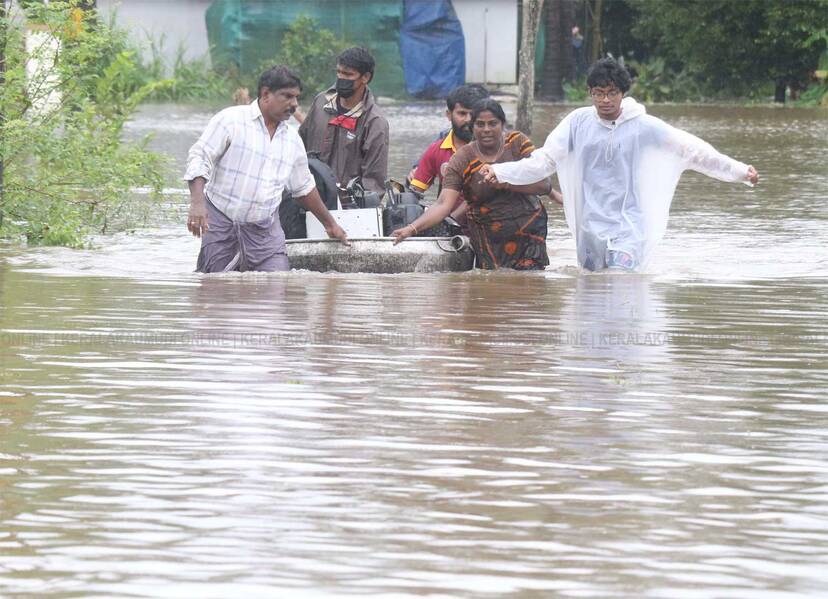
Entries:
{"x":368,"y":225}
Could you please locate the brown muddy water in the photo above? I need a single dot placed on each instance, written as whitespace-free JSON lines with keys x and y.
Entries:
{"x":557,"y":434}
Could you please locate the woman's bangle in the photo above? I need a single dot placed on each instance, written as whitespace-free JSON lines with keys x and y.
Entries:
{"x":414,"y":228}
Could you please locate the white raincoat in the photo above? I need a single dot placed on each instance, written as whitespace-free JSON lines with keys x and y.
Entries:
{"x":618,"y":177}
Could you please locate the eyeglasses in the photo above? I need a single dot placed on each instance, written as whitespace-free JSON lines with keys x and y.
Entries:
{"x":611,"y":94}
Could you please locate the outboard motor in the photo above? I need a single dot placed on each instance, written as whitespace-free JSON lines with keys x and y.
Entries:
{"x":348,"y":195}
{"x":292,"y":215}
{"x":371,"y":199}
{"x":355,"y":196}
{"x":403,"y":207}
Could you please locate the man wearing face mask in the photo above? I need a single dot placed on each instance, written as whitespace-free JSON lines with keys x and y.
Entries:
{"x":345,"y":127}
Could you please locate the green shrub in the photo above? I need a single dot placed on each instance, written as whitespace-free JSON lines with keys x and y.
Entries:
{"x":196,"y":80}
{"x":576,"y":91}
{"x":307,"y":49}
{"x":815,"y":95}
{"x":310,"y":52}
{"x":189,"y":79}
{"x":67,"y":171}
{"x":655,"y":81}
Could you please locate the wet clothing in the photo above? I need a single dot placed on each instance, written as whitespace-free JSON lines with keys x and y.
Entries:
{"x":246,"y":172}
{"x":235,"y":246}
{"x":507,"y":229}
{"x":353,"y":143}
{"x":618,"y":178}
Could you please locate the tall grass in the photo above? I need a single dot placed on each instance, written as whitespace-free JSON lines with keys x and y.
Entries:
{"x":189,"y":78}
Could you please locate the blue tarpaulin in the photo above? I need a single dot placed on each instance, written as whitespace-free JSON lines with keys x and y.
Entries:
{"x":432,"y":48}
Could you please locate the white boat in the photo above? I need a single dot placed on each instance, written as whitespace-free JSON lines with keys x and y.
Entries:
{"x":369,"y":250}
{"x":380,"y":255}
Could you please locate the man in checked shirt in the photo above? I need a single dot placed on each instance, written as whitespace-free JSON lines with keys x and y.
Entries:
{"x":237,"y":171}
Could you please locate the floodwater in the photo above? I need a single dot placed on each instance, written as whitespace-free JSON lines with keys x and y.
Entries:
{"x":556,"y":434}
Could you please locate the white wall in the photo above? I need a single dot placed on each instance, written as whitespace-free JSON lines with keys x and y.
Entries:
{"x":491,"y":31}
{"x":180,"y":22}
{"x":490,"y":28}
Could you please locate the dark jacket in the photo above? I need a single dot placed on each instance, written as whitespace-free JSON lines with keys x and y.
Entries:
{"x":358,"y":152}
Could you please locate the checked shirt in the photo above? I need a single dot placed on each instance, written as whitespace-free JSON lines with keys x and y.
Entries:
{"x":246,"y":170}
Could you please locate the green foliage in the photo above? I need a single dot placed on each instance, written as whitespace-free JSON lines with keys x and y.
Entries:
{"x":576,"y":91}
{"x":307,"y":49}
{"x":67,"y":170}
{"x":310,"y":52}
{"x":187,"y":80}
{"x":195,"y":80}
{"x":735,"y":47}
{"x":654,"y":81}
{"x":120,"y":88}
{"x":815,"y":95}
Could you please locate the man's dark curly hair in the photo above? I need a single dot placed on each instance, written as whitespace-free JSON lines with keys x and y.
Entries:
{"x":466,"y":95}
{"x":608,"y":73}
{"x":357,"y":58}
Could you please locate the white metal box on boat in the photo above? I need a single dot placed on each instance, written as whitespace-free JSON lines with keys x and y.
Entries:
{"x":358,"y":223}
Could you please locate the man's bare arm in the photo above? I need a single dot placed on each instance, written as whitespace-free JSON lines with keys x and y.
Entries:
{"x":313,"y":203}
{"x":197,"y":217}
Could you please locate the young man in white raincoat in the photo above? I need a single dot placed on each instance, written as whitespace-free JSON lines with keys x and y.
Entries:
{"x":618,"y":168}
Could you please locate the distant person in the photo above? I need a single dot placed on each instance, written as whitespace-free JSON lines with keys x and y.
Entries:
{"x":237,"y":171}
{"x":618,"y":168}
{"x":578,"y":51}
{"x":241,"y":96}
{"x":434,"y":161}
{"x":345,"y":127}
{"x":507,"y":223}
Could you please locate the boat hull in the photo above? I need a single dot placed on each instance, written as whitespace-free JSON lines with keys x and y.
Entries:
{"x":380,"y":255}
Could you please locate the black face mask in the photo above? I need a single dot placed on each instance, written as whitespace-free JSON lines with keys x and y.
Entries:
{"x":463,"y":132}
{"x":345,"y":87}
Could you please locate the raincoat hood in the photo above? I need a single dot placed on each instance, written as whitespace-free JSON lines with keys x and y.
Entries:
{"x":630,"y":109}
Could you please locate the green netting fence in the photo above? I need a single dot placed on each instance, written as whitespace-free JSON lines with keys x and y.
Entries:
{"x":247,"y":33}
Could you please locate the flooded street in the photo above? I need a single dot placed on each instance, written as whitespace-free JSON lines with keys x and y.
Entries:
{"x":167,"y":434}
